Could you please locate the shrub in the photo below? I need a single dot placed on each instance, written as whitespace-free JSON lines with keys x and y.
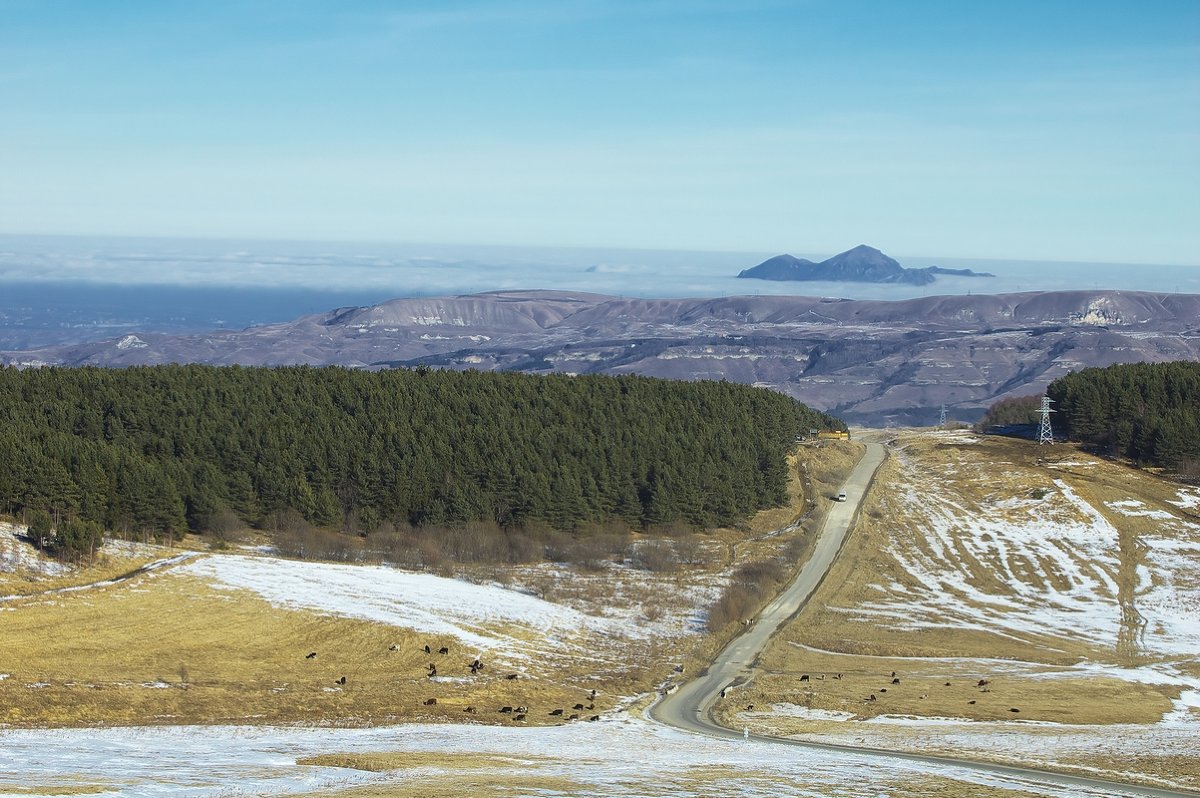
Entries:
{"x":751,"y":586}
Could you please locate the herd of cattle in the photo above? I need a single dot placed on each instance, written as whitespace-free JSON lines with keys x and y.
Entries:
{"x":983,"y":685}
{"x":517,"y":713}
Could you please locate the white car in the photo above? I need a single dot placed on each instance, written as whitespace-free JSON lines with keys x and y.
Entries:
{"x":842,"y":496}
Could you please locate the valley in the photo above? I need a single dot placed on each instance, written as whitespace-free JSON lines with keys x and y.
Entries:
{"x":1067,"y":583}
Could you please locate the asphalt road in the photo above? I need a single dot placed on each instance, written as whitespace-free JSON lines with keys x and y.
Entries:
{"x":690,"y":707}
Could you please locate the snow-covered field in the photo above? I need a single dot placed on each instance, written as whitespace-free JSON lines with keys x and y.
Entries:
{"x":479,"y":615}
{"x":1041,"y":744}
{"x":507,"y":623}
{"x":1045,"y":567}
{"x":624,"y":756}
{"x":1042,"y":566}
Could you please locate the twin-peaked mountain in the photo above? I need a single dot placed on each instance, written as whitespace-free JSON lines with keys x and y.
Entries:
{"x":862,"y":264}
{"x":868,"y":361}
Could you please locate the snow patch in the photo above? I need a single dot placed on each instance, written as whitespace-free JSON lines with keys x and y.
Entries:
{"x":131,"y":342}
{"x":18,"y":555}
{"x":1136,"y":509}
{"x":808,"y":713}
{"x":487,"y":617}
{"x":1188,"y":500}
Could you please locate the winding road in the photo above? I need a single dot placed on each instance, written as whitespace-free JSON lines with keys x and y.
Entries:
{"x":690,"y":707}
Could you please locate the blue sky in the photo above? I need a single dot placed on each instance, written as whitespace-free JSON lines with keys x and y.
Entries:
{"x":1021,"y":130}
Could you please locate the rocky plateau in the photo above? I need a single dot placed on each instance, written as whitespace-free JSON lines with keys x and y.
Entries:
{"x":871,"y":362}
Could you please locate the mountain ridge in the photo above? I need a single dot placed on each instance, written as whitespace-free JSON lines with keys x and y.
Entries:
{"x":870,"y":361}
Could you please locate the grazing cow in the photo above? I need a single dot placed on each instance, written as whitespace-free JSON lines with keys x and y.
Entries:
{"x":393,"y":647}
{"x":506,"y":710}
{"x":749,"y":706}
{"x":593,"y":695}
{"x":512,"y":676}
{"x":924,"y":696}
{"x":470,"y":710}
{"x":577,"y":706}
{"x":838,"y":676}
{"x":521,"y":709}
{"x":821,"y":677}
{"x":519,"y":716}
{"x":871,"y":697}
{"x":947,"y":684}
{"x":594,"y":717}
{"x":804,"y":677}
{"x":432,"y":670}
{"x":1013,"y":709}
{"x":556,"y":712}
{"x":883,"y":689}
{"x":430,"y":702}
{"x":574,"y":716}
{"x":310,"y":655}
{"x":983,"y":682}
{"x":428,"y":650}
{"x":972,"y":701}
{"x":443,"y":650}
{"x":895,"y":681}
{"x":591,"y":706}
{"x":893,"y":674}
{"x":342,"y":680}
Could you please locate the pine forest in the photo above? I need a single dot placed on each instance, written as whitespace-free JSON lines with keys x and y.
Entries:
{"x":162,"y":449}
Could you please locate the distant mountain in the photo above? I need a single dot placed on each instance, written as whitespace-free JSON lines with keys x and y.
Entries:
{"x":862,"y":264}
{"x":867,"y":361}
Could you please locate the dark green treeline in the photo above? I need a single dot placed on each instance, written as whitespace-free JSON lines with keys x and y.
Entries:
{"x":1149,"y":412}
{"x":167,"y":447}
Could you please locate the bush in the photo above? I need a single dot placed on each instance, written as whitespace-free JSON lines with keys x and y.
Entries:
{"x":223,"y":524}
{"x":752,"y":585}
{"x":656,"y":556}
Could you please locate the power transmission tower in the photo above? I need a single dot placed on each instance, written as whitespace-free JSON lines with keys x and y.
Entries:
{"x":1045,"y":432}
{"x":942,"y":418}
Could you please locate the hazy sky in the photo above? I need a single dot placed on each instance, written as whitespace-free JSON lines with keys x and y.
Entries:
{"x":1064,"y":130}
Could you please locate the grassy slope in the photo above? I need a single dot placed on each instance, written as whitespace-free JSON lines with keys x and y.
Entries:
{"x":826,"y":639}
{"x":243,"y":660}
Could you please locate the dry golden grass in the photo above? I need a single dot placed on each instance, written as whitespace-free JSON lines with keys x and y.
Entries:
{"x":172,"y":650}
{"x":84,"y":789}
{"x":411,"y":760}
{"x":450,"y":775}
{"x":923,"y":692}
{"x":980,"y":477}
{"x":456,"y":775}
